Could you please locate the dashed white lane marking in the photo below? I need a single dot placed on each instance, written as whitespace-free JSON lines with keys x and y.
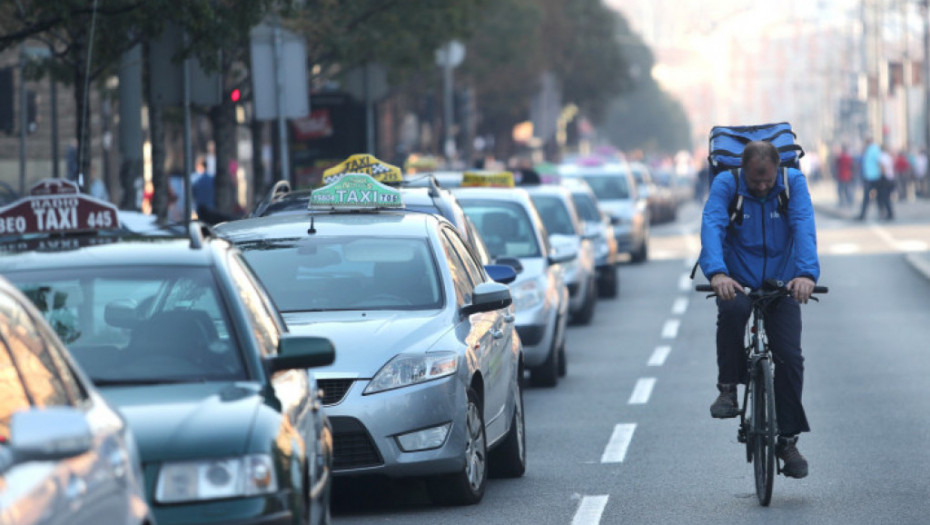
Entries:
{"x":642,"y":391}
{"x":619,"y":441}
{"x":590,"y":510}
{"x":843,"y":248}
{"x":659,"y":355}
{"x":907,"y":245}
{"x":670,"y":329}
{"x":680,"y":305}
{"x":684,"y":282}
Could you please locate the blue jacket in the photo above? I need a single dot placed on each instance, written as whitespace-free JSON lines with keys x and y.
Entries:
{"x":766,"y":245}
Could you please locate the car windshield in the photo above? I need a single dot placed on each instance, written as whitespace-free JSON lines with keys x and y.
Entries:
{"x":138,"y":324}
{"x":608,"y":186}
{"x":506,"y":228}
{"x":554,"y":215}
{"x":586,"y":206}
{"x":347,"y":273}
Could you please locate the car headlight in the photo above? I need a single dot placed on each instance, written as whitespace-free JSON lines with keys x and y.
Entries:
{"x":248,"y":475}
{"x":527,"y":294}
{"x":410,"y":369}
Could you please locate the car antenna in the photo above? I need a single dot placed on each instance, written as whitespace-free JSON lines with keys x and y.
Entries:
{"x":312,"y":230}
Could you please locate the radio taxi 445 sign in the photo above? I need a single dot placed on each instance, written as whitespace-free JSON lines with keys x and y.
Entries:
{"x":355,"y":191}
{"x":57,"y":206}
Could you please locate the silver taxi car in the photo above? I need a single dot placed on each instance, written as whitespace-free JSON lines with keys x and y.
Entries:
{"x":566,"y":232}
{"x":597,"y":225}
{"x":619,"y":197}
{"x":427,"y":380}
{"x":511,"y":228}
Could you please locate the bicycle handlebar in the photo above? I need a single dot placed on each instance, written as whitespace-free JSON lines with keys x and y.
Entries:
{"x":709,"y":288}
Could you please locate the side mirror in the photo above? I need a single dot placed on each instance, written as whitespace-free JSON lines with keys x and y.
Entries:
{"x":49,"y":434}
{"x":488,"y":297}
{"x":564,"y":248}
{"x":513,"y":262}
{"x":501,"y":273}
{"x":302,"y":352}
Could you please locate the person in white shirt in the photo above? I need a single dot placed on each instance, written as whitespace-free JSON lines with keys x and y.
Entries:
{"x":886,"y":184}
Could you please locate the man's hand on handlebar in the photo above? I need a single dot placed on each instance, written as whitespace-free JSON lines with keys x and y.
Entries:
{"x":801,"y":289}
{"x":725,"y":287}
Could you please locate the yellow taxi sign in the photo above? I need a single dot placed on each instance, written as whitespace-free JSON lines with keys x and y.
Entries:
{"x":487,"y":179}
{"x":364,"y":163}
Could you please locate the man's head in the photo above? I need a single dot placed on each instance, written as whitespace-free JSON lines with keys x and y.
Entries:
{"x":760,"y":166}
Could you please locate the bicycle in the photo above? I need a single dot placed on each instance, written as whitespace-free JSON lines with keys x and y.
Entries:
{"x":758,"y":426}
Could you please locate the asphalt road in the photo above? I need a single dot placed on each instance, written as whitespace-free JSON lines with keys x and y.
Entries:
{"x":626,"y":437}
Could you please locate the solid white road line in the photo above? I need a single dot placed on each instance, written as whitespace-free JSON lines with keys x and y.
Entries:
{"x":670,"y":329}
{"x":642,"y":391}
{"x":684,"y":282}
{"x":590,"y":510}
{"x":619,"y":441}
{"x":659,"y":355}
{"x":680,"y":305}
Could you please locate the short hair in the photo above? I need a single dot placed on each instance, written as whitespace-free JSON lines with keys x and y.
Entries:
{"x":760,"y":148}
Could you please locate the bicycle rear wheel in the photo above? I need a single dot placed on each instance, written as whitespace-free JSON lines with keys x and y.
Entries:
{"x":763,"y":430}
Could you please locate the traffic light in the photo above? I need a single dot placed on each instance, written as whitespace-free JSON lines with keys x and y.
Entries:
{"x":6,"y":100}
{"x":235,"y":95}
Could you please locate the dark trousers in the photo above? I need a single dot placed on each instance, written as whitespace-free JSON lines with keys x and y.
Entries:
{"x":783,"y":327}
{"x":885,"y":187}
{"x":867,"y":187}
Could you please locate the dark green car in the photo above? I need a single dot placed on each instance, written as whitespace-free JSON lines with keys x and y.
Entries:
{"x":180,"y":337}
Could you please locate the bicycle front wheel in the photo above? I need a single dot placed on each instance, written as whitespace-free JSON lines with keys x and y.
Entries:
{"x":763,"y":430}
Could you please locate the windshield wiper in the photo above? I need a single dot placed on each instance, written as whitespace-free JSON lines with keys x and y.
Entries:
{"x":144,"y":381}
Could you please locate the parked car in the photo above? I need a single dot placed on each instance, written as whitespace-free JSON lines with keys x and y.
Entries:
{"x":597,"y":226}
{"x":566,"y":231}
{"x":618,"y":196}
{"x":428,"y":378}
{"x":513,"y":231}
{"x":659,"y":199}
{"x":178,"y":334}
{"x":66,"y":455}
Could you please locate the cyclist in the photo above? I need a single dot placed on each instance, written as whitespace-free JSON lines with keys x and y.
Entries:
{"x":776,"y":238}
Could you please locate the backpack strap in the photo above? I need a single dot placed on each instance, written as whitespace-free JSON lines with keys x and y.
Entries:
{"x":735,"y":210}
{"x":784,"y":195}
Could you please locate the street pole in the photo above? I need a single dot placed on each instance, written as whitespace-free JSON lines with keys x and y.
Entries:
{"x":925,"y":16}
{"x":448,"y":144}
{"x":188,"y":150}
{"x":22,"y":119}
{"x":53,"y":93}
{"x":279,"y":80}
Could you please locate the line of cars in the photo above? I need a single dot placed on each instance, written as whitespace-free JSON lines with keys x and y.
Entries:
{"x":363,"y":328}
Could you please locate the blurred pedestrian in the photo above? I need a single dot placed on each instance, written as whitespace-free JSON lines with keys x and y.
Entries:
{"x":886,"y":184}
{"x":871,"y":175}
{"x":843,"y":169}
{"x":921,"y":186}
{"x":902,"y":175}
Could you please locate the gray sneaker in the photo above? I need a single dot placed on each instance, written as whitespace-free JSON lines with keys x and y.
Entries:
{"x":725,"y":406}
{"x":794,"y":464}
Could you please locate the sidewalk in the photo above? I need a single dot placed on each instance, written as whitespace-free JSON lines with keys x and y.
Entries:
{"x":826,"y":202}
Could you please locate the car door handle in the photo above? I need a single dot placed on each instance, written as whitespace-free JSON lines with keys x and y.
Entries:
{"x":508,"y":318}
{"x":497,"y":334}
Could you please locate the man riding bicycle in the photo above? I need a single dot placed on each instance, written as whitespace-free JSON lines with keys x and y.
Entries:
{"x":775,"y":238}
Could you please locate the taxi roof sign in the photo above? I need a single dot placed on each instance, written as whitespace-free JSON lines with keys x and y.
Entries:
{"x":487,"y":179}
{"x":364,"y":163}
{"x":57,"y":206}
{"x":355,"y":191}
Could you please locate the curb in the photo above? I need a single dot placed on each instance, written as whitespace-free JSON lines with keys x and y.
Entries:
{"x":920,"y":262}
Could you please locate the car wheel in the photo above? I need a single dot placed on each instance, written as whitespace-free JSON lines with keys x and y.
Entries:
{"x":563,"y":363}
{"x":547,"y":374}
{"x":642,"y":253}
{"x":508,"y":460}
{"x":609,"y":285}
{"x":467,"y":487}
{"x":584,"y":316}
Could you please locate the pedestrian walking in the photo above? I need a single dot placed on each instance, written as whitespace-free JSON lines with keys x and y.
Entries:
{"x":871,"y":175}
{"x":843,"y":168}
{"x":886,"y":184}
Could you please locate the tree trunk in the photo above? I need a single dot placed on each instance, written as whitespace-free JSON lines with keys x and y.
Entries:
{"x":258,"y":163}
{"x":160,"y":190}
{"x":81,"y":131}
{"x":223,"y":120}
